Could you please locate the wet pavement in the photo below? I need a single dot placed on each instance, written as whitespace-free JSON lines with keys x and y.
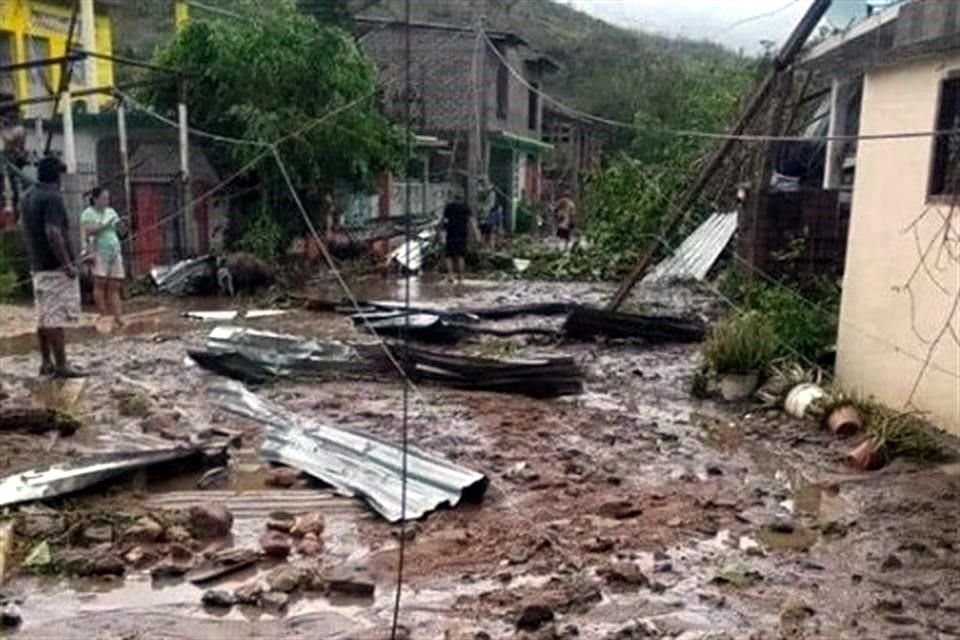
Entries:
{"x":629,"y":511}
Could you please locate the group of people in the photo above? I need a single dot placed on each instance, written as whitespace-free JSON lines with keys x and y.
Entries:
{"x":56,"y":270}
{"x":458,"y":219}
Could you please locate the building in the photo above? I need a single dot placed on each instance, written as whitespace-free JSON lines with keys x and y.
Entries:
{"x":578,"y":152}
{"x":899,"y":335}
{"x":33,"y":30}
{"x":463,"y":93}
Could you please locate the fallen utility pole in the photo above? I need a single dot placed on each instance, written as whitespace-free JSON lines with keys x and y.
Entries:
{"x":783,"y":60}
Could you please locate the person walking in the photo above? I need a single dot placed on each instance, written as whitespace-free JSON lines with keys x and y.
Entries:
{"x":56,"y":290}
{"x":456,"y":217}
{"x":566,"y":219}
{"x":101,"y":226}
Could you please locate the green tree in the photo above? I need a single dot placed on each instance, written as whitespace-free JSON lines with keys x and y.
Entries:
{"x":273,"y":73}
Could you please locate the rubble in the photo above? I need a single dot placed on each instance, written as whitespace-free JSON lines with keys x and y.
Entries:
{"x":144,"y":530}
{"x":533,"y":617}
{"x":624,"y":576}
{"x":210,"y":521}
{"x":349,"y":581}
{"x":287,"y":578}
{"x":282,"y":477}
{"x":276,"y":544}
{"x":216,"y":598}
{"x":310,"y":523}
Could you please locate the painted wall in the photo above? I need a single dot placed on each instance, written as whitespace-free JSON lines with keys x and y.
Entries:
{"x":33,"y":29}
{"x":884,"y":339}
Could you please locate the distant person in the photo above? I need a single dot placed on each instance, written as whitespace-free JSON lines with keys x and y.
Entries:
{"x":101,"y":226}
{"x":492,"y":225}
{"x":56,"y":290}
{"x":456,"y":216}
{"x":566,"y":219}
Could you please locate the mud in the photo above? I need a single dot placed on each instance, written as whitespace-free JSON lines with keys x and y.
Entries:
{"x":720,"y":520}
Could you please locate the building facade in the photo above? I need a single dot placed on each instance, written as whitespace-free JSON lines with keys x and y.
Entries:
{"x":33,"y":30}
{"x":462,"y":92}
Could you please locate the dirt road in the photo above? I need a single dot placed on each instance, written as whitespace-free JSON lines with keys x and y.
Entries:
{"x":629,"y":511}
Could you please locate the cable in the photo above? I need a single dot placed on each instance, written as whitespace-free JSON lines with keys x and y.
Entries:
{"x":761,"y":16}
{"x":689,"y":133}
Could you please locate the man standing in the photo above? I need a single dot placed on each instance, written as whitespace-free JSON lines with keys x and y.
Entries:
{"x":566,"y":219}
{"x":56,"y":290}
{"x":456,"y":217}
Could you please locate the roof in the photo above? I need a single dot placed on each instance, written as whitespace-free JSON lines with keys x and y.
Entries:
{"x":905,"y":30}
{"x":520,"y":143}
{"x":510,"y":38}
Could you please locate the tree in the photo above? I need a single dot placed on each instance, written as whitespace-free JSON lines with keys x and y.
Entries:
{"x":275,"y":72}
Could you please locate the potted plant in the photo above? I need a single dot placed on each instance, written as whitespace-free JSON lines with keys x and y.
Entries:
{"x":737,"y":350}
{"x":894,"y":434}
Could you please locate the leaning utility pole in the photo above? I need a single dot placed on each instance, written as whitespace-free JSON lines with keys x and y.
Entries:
{"x":783,"y":60}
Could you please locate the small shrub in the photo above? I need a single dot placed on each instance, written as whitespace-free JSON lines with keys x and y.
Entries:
{"x":741,"y":344}
{"x":263,"y":237}
{"x":8,"y":285}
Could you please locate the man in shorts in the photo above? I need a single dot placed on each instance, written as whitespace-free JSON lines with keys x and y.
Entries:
{"x":56,"y":290}
{"x":456,"y":216}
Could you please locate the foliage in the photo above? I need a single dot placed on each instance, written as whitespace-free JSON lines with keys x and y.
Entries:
{"x":14,"y":266}
{"x":902,"y":434}
{"x":8,"y":285}
{"x":740,"y":344}
{"x":274,"y":74}
{"x":263,"y":237}
{"x":805,"y":329}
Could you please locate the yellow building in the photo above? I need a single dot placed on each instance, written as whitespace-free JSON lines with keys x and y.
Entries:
{"x":33,"y":30}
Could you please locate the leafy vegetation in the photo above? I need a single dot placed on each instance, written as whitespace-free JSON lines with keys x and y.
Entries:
{"x":741,"y":343}
{"x":278,"y":72}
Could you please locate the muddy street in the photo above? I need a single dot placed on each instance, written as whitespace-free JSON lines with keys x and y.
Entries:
{"x":631,"y":510}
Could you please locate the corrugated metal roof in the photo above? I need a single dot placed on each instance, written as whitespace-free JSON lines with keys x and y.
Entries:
{"x":355,"y":463}
{"x":695,"y":255}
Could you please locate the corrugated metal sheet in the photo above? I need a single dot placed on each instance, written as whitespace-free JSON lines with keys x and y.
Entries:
{"x":257,"y":504}
{"x":355,"y":463}
{"x":695,"y":255}
{"x":283,"y":352}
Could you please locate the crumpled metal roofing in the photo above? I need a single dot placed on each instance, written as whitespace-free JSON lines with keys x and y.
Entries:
{"x":698,"y":252}
{"x":357,"y":464}
{"x":186,"y":276}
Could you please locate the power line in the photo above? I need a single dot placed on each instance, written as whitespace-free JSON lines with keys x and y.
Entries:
{"x":761,"y":16}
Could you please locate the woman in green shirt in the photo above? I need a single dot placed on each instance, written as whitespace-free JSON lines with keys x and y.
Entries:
{"x":101,"y":226}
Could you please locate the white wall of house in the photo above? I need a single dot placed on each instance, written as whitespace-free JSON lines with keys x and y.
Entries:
{"x":884,"y":340}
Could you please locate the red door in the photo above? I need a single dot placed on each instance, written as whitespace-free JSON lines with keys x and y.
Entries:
{"x":149,"y":228}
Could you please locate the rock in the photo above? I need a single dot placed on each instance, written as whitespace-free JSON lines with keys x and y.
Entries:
{"x":570,"y":631}
{"x":274,"y":600}
{"x":210,"y":521}
{"x":624,"y":575}
{"x":217,"y":598}
{"x":534,"y":617}
{"x":144,"y":530}
{"x":37,"y":526}
{"x":10,"y":616}
{"x":714,"y":470}
{"x":309,"y":523}
{"x":310,"y":545}
{"x":178,"y":534}
{"x":794,"y":613}
{"x":636,"y":629}
{"x":107,"y":564}
{"x":663,"y":567}
{"x":178,"y":562}
{"x":660,"y":556}
{"x":281,"y":521}
{"x":781,"y":525}
{"x":276,"y":544}
{"x":674,"y":522}
{"x":98,"y":534}
{"x":598,"y":545}
{"x":891,"y":563}
{"x":750,"y":546}
{"x":619,"y":510}
{"x":250,"y":593}
{"x":889,"y":606}
{"x":353,"y":582}
{"x":287,"y":578}
{"x":138,"y":557}
{"x":282,"y":477}
{"x":930,"y":601}
{"x":164,"y":425}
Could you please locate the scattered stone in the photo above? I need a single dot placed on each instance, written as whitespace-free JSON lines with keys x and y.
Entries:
{"x":178,"y":562}
{"x":36,"y":526}
{"x":163,"y":425}
{"x":281,"y":521}
{"x":309,"y":523}
{"x":714,"y":470}
{"x":619,"y":510}
{"x":98,"y":534}
{"x":218,"y":598}
{"x":353,"y":582}
{"x":716,"y":601}
{"x":624,"y":575}
{"x":901,"y":620}
{"x":533,"y":617}
{"x":891,"y":563}
{"x":598,"y":545}
{"x":930,"y":601}
{"x":10,"y":616}
{"x":737,"y":577}
{"x":569,"y":631}
{"x":287,"y":578}
{"x":249,"y":593}
{"x":144,"y":530}
{"x":282,"y":477}
{"x":636,"y":629}
{"x":107,"y":564}
{"x":276,"y":544}
{"x":782,"y":525}
{"x":274,"y":601}
{"x":138,"y":557}
{"x":663,"y":567}
{"x":794,"y":613}
{"x":660,"y":556}
{"x":210,"y":521}
{"x":178,"y":534}
{"x":750,"y":546}
{"x":674,"y":522}
{"x":310,"y":545}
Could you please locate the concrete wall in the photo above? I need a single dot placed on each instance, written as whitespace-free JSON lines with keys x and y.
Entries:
{"x":884,"y":341}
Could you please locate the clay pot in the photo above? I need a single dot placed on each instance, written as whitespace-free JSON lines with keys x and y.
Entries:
{"x":844,"y":421}
{"x":737,"y":386}
{"x":869,"y":455}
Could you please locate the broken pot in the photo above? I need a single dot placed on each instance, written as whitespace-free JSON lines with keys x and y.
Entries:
{"x":869,"y":455}
{"x":801,"y":398}
{"x":844,"y":421}
{"x":738,"y":386}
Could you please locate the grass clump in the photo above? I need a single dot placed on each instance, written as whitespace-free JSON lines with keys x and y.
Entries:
{"x":742,"y":343}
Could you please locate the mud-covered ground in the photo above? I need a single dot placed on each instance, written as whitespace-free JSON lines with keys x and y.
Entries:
{"x":629,"y":511}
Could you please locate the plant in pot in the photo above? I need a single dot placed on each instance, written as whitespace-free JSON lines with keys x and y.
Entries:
{"x":894,"y":434}
{"x":738,"y":349}
{"x":839,"y":412}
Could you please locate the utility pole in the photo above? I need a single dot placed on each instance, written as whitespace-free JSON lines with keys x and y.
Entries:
{"x":88,"y":35}
{"x":184,"y":168}
{"x":783,"y":60}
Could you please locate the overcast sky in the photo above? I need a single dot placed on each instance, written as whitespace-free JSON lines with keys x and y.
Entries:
{"x":711,"y":19}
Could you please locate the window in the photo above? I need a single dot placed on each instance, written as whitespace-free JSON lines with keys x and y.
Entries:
{"x":945,"y":177}
{"x":39,"y":78}
{"x":533,"y":107}
{"x":503,"y":91}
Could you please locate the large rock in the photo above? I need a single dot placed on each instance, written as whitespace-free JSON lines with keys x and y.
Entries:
{"x":250,"y":593}
{"x":350,"y":581}
{"x":219,"y":599}
{"x":308,"y":523}
{"x":210,"y":521}
{"x":274,"y":600}
{"x":288,"y":578}
{"x":178,"y":562}
{"x":282,"y":477}
{"x":624,"y":576}
{"x":533,"y":617}
{"x":276,"y":544}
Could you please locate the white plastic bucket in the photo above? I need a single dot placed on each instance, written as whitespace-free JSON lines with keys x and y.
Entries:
{"x":801,"y":397}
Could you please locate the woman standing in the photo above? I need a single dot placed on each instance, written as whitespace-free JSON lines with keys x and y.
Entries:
{"x":101,"y":226}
